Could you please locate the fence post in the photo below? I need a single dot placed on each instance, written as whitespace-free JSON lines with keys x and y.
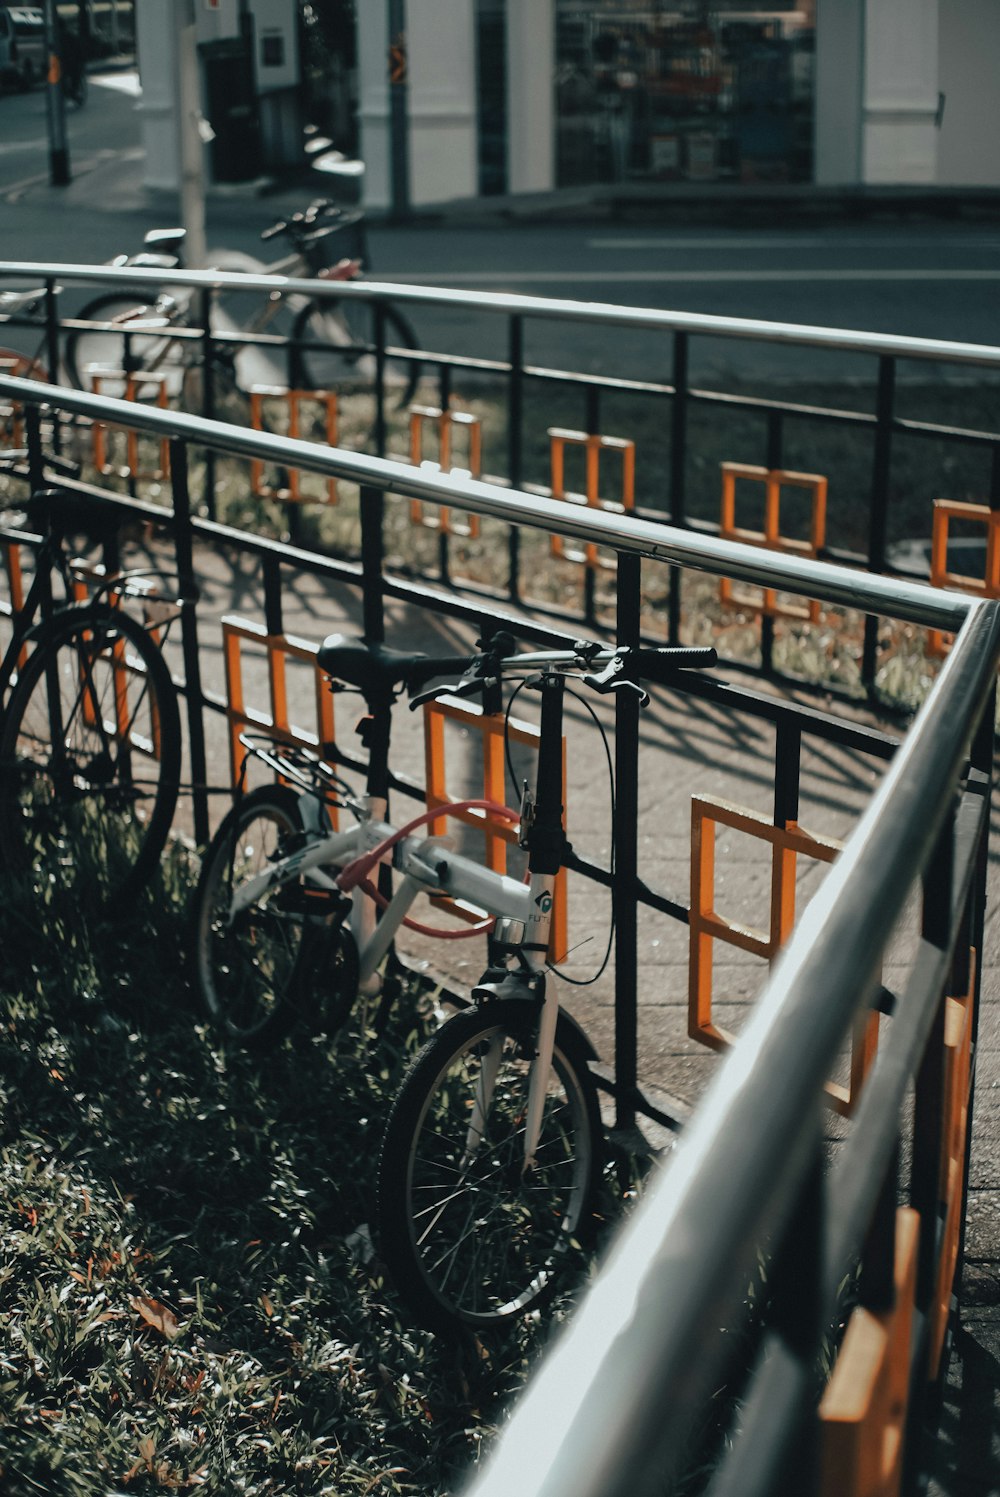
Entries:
{"x":592,"y":423}
{"x":52,"y":354}
{"x":773,"y":460}
{"x":626,"y":845}
{"x":381,"y":426}
{"x":515,"y":444}
{"x":879,"y":504}
{"x":208,"y":393}
{"x":184,"y":549}
{"x":372,"y":509}
{"x":678,"y":461}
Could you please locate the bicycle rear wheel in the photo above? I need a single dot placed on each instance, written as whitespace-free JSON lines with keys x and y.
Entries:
{"x":90,"y":758}
{"x":341,"y":338}
{"x":91,"y":350}
{"x":469,"y":1237}
{"x":255,"y":971}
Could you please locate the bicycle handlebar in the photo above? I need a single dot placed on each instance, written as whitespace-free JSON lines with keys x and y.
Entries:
{"x":301,"y":223}
{"x":623,"y":668}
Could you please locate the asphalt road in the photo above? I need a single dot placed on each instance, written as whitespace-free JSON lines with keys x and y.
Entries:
{"x":927,"y":278}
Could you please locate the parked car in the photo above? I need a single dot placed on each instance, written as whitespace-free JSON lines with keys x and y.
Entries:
{"x":23,"y":51}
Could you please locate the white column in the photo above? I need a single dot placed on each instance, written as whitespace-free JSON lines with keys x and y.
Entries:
{"x":900,"y":142}
{"x":441,"y":80}
{"x":373,"y":101}
{"x":157,"y":30}
{"x":531,"y":121}
{"x":840,"y":28}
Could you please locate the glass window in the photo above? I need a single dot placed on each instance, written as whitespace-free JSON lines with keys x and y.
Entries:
{"x":714,"y":94}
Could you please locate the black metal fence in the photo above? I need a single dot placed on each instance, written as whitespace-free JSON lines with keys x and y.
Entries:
{"x":666,"y":351}
{"x":636,"y":1368}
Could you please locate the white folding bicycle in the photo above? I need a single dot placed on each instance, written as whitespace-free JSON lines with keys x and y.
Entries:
{"x":492,"y":1149}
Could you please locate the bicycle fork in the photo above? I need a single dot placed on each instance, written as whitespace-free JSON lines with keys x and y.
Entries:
{"x":543,"y":835}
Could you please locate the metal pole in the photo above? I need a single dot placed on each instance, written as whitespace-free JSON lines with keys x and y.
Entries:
{"x":189,"y":119}
{"x":59,"y":172}
{"x":398,"y":111}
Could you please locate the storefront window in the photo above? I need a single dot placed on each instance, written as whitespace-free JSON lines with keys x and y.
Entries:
{"x":691,"y":93}
{"x":491,"y":79}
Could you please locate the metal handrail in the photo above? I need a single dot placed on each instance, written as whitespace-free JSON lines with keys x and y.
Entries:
{"x":680,"y":1265}
{"x":844,"y":340}
{"x":653,"y":1314}
{"x":645,"y":538}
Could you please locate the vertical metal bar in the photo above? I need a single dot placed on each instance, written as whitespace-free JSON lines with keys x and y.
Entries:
{"x":626,"y":834}
{"x":52,"y":354}
{"x":59,"y":170}
{"x":399,"y":147}
{"x":36,"y":480}
{"x":928,"y":1102}
{"x":36,"y":453}
{"x":208,"y":393}
{"x":877,"y":1283}
{"x":593,"y":425}
{"x":773,"y":460}
{"x":273,"y":613}
{"x":381,"y":431}
{"x":879,"y":508}
{"x":515,"y":443}
{"x":678,"y":470}
{"x":444,"y":548}
{"x":372,"y":509}
{"x":787,"y":761}
{"x":184,"y":548}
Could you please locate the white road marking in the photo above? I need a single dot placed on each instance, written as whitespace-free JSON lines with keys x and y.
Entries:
{"x":599,"y":277}
{"x":788,"y":241}
{"x":122,"y":83}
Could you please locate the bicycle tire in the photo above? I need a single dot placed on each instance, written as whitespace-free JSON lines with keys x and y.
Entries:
{"x":88,"y":348}
{"x":250,"y":974}
{"x":342,"y":325}
{"x":93,"y":702}
{"x":475,"y":1243}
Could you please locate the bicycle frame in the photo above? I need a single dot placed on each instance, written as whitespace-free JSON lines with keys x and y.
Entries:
{"x":429,"y":865}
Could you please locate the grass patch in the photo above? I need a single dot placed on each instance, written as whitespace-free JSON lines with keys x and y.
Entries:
{"x":186,"y":1288}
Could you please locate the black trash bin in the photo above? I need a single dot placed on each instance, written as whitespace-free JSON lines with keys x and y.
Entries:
{"x":231,"y":109}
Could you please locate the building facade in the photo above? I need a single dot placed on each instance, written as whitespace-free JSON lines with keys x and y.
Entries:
{"x":535,"y":95}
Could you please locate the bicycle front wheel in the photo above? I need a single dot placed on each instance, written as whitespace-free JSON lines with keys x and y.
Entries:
{"x":93,"y":352}
{"x":246,"y":964}
{"x":469,"y":1236}
{"x":90,"y":758}
{"x":339,"y":339}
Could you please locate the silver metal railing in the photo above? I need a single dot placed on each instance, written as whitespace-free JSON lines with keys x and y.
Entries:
{"x":620,"y":1391}
{"x":844,"y":340}
{"x":659,"y":542}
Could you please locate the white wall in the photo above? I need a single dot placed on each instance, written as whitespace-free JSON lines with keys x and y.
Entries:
{"x":441,"y":101}
{"x":900,"y":137}
{"x":969,"y":139}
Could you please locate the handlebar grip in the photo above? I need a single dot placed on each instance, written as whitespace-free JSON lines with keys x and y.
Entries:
{"x":426,"y":670}
{"x":661,"y":663}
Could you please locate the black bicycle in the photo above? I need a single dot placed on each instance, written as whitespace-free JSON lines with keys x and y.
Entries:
{"x":90,"y":741}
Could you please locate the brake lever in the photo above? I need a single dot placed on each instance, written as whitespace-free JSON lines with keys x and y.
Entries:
{"x":606,"y":682}
{"x":467,"y":687}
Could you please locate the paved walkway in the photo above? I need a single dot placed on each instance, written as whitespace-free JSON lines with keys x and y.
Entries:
{"x":687,"y":747}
